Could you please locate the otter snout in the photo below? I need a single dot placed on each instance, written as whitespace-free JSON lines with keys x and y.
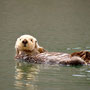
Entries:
{"x":24,"y":42}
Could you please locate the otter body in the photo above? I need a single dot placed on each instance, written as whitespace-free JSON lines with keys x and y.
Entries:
{"x":51,"y":58}
{"x":28,"y":50}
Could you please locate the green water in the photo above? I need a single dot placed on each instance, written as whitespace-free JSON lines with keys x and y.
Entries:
{"x":58,"y":25}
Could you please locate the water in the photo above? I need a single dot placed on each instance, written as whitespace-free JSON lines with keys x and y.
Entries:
{"x":59,"y":25}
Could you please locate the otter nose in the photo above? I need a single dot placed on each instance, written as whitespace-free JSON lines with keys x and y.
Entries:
{"x":24,"y":41}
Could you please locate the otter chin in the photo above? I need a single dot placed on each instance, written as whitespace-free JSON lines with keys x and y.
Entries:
{"x":28,"y":50}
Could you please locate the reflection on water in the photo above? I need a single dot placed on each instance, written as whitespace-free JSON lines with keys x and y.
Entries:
{"x":54,"y":77}
{"x":83,"y":72}
{"x":25,"y":74}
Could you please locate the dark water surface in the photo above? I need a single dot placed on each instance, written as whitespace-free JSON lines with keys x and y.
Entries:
{"x":59,"y":25}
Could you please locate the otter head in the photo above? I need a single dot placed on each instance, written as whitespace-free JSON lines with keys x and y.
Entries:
{"x":26,"y":42}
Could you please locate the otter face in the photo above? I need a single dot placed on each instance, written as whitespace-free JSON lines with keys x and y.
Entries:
{"x":25,"y":42}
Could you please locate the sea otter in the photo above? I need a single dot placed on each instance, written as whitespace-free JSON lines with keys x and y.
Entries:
{"x":28,"y":50}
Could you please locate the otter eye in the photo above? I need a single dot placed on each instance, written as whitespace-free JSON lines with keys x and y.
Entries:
{"x":31,"y":40}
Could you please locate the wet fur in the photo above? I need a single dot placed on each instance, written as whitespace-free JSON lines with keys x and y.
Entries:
{"x":34,"y":53}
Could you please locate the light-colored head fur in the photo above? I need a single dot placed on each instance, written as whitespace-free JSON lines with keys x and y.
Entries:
{"x":27,"y":43}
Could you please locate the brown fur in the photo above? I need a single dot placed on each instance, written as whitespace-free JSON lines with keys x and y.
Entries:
{"x":41,"y":50}
{"x":51,"y":58}
{"x":85,"y":55}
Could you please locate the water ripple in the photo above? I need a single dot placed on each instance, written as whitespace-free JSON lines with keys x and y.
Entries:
{"x":88,"y":71}
{"x":78,"y":75}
